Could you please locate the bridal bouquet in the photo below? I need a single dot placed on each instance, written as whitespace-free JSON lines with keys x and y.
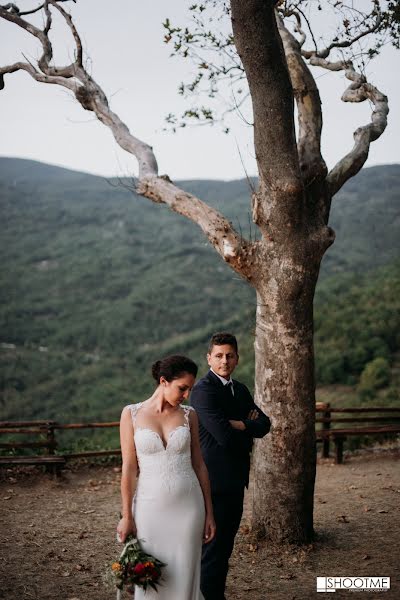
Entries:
{"x":135,"y":567}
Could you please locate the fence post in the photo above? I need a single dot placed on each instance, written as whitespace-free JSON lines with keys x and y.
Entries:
{"x":51,"y":439}
{"x":326,"y":427}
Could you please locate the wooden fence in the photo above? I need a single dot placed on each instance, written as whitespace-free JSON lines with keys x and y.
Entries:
{"x":365,"y":421}
{"x":47,"y":430}
{"x":361,"y":422}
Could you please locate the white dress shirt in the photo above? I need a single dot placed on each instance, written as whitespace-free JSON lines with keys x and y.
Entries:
{"x":224,"y":381}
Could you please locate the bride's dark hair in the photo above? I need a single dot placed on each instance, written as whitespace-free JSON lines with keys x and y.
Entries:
{"x":171,"y":367}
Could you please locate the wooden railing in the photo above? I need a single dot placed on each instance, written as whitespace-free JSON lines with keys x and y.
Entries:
{"x":47,"y":429}
{"x":382,"y":420}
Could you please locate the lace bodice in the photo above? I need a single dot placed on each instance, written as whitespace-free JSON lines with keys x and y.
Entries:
{"x":163,"y":465}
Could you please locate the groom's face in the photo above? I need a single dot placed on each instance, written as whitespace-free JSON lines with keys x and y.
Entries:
{"x":223,"y":360}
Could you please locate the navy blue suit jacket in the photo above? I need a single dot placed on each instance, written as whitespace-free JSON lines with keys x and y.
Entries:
{"x":226,"y":451}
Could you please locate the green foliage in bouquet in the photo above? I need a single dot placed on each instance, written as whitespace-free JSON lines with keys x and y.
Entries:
{"x":136,"y":567}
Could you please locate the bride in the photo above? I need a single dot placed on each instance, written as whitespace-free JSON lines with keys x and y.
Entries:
{"x":170,"y":511}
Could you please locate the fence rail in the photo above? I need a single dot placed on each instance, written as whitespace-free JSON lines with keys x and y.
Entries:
{"x":48,"y":428}
{"x":388,"y":416}
{"x":375,"y":420}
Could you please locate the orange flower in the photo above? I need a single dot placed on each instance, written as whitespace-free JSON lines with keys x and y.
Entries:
{"x":116,"y":566}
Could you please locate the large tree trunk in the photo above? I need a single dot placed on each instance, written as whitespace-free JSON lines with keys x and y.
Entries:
{"x":291,"y":212}
{"x":284,"y":461}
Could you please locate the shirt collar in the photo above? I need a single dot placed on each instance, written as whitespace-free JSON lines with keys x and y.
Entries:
{"x":222,"y":379}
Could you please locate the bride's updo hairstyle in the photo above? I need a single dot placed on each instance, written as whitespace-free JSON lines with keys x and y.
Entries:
{"x":172,"y":367}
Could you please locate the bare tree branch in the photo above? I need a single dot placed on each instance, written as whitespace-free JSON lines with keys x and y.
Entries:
{"x":349,"y":42}
{"x":297,"y":14}
{"x":298,"y":29}
{"x":9,"y":14}
{"x":236,"y":251}
{"x":14,"y":8}
{"x":69,"y":21}
{"x":86,"y":90}
{"x":308,"y":103}
{"x":43,"y":37}
{"x":232,"y":247}
{"x":37,"y":75}
{"x":358,"y":91}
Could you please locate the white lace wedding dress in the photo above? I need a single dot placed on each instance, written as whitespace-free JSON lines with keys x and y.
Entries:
{"x":169,"y":509}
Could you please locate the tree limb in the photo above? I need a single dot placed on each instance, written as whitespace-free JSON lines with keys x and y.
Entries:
{"x":69,"y":21}
{"x":349,"y":42}
{"x":358,"y":91}
{"x":236,"y":251}
{"x":42,"y":36}
{"x":308,"y":103}
{"x":37,"y":75}
{"x":14,"y":8}
{"x":10,"y":12}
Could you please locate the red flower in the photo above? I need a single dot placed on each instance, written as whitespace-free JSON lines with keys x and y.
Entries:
{"x":139,"y":569}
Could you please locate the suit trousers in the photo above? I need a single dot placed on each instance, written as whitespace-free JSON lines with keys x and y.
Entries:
{"x":228,"y":509}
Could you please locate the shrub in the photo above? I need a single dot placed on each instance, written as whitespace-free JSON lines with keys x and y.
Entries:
{"x":375,"y":376}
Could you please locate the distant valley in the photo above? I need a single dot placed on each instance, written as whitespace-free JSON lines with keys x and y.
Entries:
{"x":96,"y":283}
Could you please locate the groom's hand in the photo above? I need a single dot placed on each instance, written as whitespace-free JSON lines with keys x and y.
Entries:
{"x":237,"y":424}
{"x":253,"y":414}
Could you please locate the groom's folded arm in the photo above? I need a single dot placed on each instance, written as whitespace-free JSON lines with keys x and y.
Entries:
{"x":212,"y":418}
{"x":258,"y":427}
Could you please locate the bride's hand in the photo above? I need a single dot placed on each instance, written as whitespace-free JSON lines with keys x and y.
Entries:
{"x":209,"y":529}
{"x":124,"y":528}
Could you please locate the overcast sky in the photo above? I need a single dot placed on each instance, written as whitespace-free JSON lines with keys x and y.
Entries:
{"x":124,"y":40}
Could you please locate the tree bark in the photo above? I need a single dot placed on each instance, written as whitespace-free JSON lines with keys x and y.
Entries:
{"x":261,"y":51}
{"x":289,"y":259}
{"x":284,"y":461}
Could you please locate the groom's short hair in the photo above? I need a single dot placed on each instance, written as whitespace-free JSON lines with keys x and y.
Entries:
{"x":220,"y":339}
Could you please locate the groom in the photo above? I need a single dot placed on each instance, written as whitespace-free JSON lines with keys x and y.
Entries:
{"x":229,"y":420}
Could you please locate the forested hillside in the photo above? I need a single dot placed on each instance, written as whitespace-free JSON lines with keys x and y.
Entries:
{"x":96,"y":283}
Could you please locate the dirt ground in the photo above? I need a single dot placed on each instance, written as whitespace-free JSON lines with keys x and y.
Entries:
{"x":58,"y":536}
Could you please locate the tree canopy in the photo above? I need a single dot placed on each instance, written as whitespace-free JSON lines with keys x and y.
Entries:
{"x":346,"y":33}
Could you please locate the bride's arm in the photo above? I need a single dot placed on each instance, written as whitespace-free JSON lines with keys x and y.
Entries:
{"x":129,"y":473}
{"x":200,"y":469}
